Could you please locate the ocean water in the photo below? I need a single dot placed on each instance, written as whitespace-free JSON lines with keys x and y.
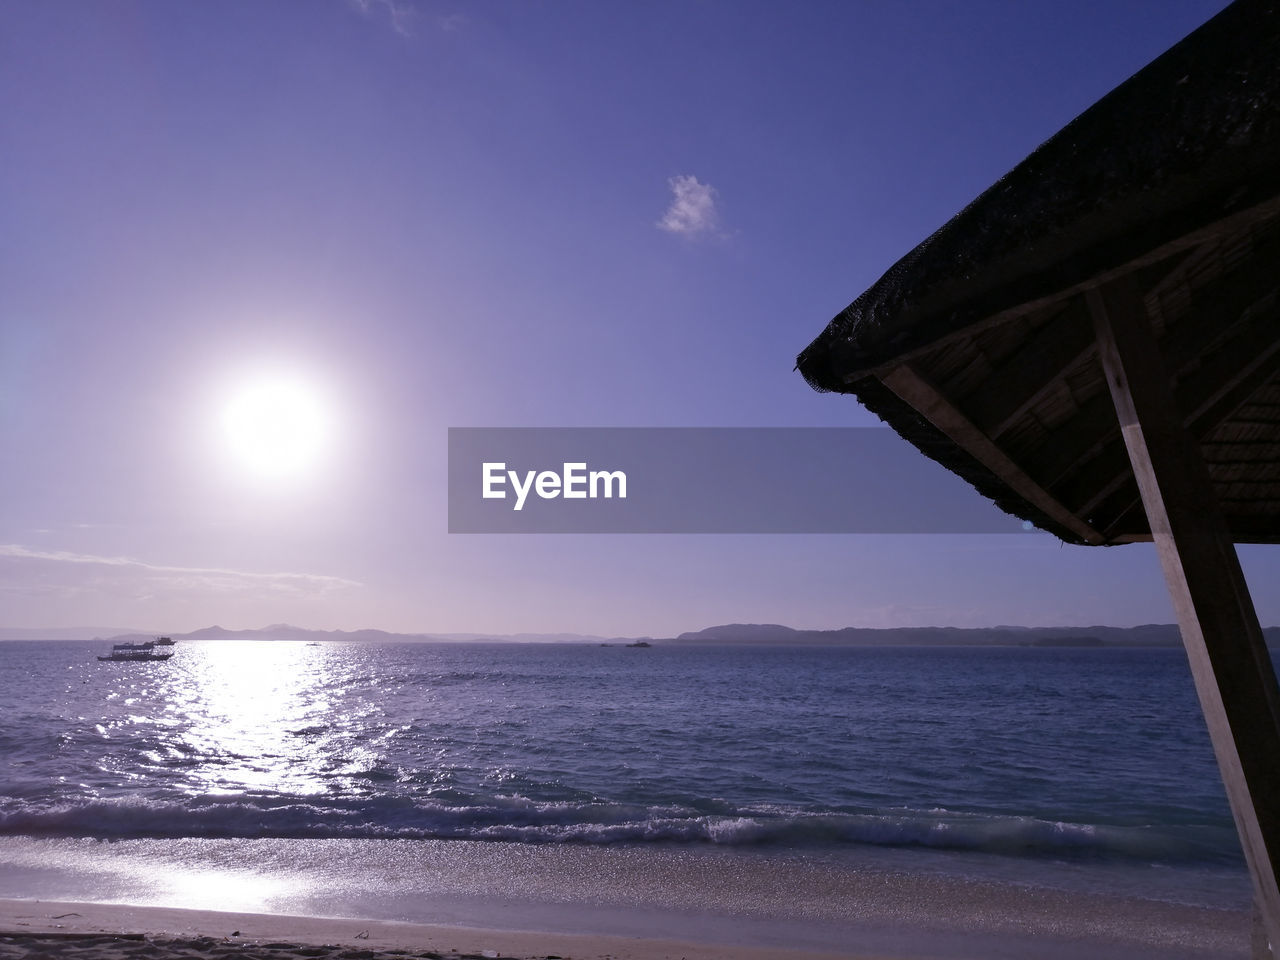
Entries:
{"x":1024,"y":764}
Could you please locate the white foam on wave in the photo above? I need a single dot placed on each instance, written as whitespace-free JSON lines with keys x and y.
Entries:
{"x":517,"y":818}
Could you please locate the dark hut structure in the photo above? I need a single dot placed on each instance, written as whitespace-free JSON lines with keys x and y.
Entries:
{"x":1094,"y":344}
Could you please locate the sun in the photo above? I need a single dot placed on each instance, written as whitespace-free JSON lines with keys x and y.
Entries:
{"x":277,"y":426}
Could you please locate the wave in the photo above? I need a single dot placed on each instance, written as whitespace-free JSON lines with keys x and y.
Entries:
{"x":523,"y":820}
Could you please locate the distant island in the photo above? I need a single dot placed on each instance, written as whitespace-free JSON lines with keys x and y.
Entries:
{"x":735,"y":634}
{"x":1147,"y":635}
{"x":773,"y":634}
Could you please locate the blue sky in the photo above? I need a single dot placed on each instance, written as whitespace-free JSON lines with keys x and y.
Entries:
{"x":490,"y":214}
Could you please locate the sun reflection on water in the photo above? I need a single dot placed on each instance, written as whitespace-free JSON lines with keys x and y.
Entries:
{"x":218,"y":888}
{"x":237,"y":717}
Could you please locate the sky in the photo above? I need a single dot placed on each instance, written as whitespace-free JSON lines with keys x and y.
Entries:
{"x":393,"y":217}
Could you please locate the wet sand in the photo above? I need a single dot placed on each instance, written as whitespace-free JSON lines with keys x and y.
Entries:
{"x":465,"y":898}
{"x":118,"y":932}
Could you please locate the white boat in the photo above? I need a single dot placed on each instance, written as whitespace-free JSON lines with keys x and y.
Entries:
{"x":133,"y":652}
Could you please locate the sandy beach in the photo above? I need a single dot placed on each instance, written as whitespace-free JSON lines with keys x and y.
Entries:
{"x":69,"y":930}
{"x":779,"y":909}
{"x":646,"y":904}
{"x":31,"y":929}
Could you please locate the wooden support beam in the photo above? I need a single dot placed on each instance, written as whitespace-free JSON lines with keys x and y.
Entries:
{"x":1231,"y":317}
{"x":1031,"y":372}
{"x":1229,"y":661}
{"x":908,"y":384}
{"x":1089,"y":432}
{"x":1086,"y":491}
{"x":1130,"y":521}
{"x":1226,"y":381}
{"x":1121,"y":510}
{"x":1223,"y":383}
{"x":1034,"y":370}
{"x":1259,"y":529}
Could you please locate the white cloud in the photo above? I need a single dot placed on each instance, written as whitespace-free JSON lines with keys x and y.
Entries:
{"x":399,"y":12}
{"x":693,"y":208}
{"x":180,"y":578}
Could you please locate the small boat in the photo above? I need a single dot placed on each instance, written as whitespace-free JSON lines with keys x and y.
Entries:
{"x":135,"y":652}
{"x":164,"y":641}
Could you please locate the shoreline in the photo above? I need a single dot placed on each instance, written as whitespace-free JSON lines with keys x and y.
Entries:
{"x":525,"y":901}
{"x":75,"y":930}
{"x":171,"y":930}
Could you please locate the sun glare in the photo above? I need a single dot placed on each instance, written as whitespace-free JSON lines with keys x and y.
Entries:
{"x":277,"y":427}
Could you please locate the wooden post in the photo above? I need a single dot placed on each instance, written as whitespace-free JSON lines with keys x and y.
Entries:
{"x":1229,"y":660}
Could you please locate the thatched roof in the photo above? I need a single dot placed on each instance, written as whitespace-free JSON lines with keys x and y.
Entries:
{"x":976,"y":346}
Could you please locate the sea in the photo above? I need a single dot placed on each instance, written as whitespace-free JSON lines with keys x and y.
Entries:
{"x":1078,"y":769}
